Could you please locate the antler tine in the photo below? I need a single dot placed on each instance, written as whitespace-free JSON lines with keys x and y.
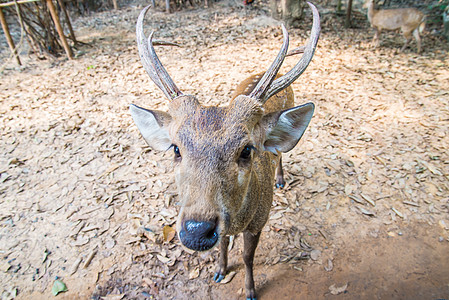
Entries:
{"x":151,"y":62}
{"x":164,"y":77}
{"x":284,"y":81}
{"x":263,"y":85}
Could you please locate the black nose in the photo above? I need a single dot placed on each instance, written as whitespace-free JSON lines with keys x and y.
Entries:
{"x":199,"y":236}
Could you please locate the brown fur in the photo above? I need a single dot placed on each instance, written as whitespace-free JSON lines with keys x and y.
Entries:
{"x":225,"y":158}
{"x":208,"y":169}
{"x":211,"y":185}
{"x":280,"y":101}
{"x":208,"y":173}
{"x":222,"y":190}
{"x":409,"y":20}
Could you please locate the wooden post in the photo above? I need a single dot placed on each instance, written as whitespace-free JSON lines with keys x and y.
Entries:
{"x":55,"y":17}
{"x":8,"y":36}
{"x":114,"y":2}
{"x":348,"y":14}
{"x":69,"y":24}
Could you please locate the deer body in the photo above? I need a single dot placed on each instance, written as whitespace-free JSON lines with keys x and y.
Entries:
{"x":410,"y":20}
{"x":225,"y":158}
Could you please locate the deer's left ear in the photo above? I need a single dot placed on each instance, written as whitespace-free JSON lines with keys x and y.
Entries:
{"x":284,"y":129}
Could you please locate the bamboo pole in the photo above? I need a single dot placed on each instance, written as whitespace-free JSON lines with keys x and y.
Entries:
{"x":55,"y":17}
{"x":69,"y":24}
{"x":8,"y":36}
{"x":18,"y":2}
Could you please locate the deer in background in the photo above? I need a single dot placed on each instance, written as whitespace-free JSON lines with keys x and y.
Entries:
{"x":409,"y":20}
{"x":225,"y":158}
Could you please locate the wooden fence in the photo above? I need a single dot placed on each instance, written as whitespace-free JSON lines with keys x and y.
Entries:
{"x":55,"y":17}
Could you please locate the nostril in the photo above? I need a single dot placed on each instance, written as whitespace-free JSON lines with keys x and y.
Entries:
{"x":202,"y":228}
{"x":199,"y":235}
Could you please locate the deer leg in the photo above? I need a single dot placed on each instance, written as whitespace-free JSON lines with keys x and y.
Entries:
{"x":376,"y":41}
{"x":417,"y":38}
{"x":280,"y":183}
{"x":223,"y":263}
{"x":167,"y":6}
{"x":408,"y":37}
{"x":274,"y":9}
{"x":250,"y":242}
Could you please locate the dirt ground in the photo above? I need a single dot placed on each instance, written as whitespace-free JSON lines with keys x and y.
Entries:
{"x":364,"y":215}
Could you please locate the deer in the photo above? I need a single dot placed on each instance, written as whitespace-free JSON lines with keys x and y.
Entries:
{"x":409,"y":20}
{"x":226,"y":158}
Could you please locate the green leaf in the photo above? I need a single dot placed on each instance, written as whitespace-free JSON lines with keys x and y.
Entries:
{"x":58,"y":287}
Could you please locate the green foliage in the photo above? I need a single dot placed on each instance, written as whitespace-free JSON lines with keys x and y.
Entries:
{"x":440,"y":5}
{"x":58,"y":287}
{"x":436,"y":10}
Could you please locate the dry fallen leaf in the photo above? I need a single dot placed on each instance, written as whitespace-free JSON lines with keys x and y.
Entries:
{"x":397,"y":212}
{"x":168,"y":233}
{"x":368,"y":199}
{"x":163,"y":259}
{"x":443,"y":224}
{"x":329,"y":266}
{"x":113,"y":297}
{"x":80,"y":241}
{"x":75,"y":266}
{"x":366,"y":212}
{"x":337,"y":290}
{"x":194,"y":273}
{"x":4,"y":266}
{"x":276,"y":216}
{"x":315,"y":254}
{"x":228,"y":277}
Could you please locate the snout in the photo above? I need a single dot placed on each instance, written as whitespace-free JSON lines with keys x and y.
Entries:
{"x":199,"y":235}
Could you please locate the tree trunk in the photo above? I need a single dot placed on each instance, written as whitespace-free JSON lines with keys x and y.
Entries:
{"x":290,"y":11}
{"x":348,"y":14}
{"x":446,"y":22}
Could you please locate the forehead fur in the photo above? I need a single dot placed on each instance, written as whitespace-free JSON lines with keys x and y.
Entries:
{"x":214,"y":132}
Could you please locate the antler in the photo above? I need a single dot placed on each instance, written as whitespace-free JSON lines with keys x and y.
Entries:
{"x":284,"y":81}
{"x":267,"y":78}
{"x":151,"y":62}
{"x":266,"y":86}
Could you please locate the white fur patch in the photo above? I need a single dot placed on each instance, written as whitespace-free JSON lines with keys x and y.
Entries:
{"x":242,"y":177}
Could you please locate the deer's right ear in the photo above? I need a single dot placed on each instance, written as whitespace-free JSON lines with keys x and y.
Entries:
{"x":153,"y":125}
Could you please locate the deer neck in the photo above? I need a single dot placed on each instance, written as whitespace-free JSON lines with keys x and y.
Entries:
{"x":371,"y":11}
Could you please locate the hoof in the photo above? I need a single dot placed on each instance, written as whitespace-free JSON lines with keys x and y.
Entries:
{"x":279,"y":186}
{"x":251,"y":295}
{"x":218,"y":277}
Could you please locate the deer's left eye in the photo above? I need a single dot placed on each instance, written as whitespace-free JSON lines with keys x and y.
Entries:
{"x":177,"y":152}
{"x":246,"y":152}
